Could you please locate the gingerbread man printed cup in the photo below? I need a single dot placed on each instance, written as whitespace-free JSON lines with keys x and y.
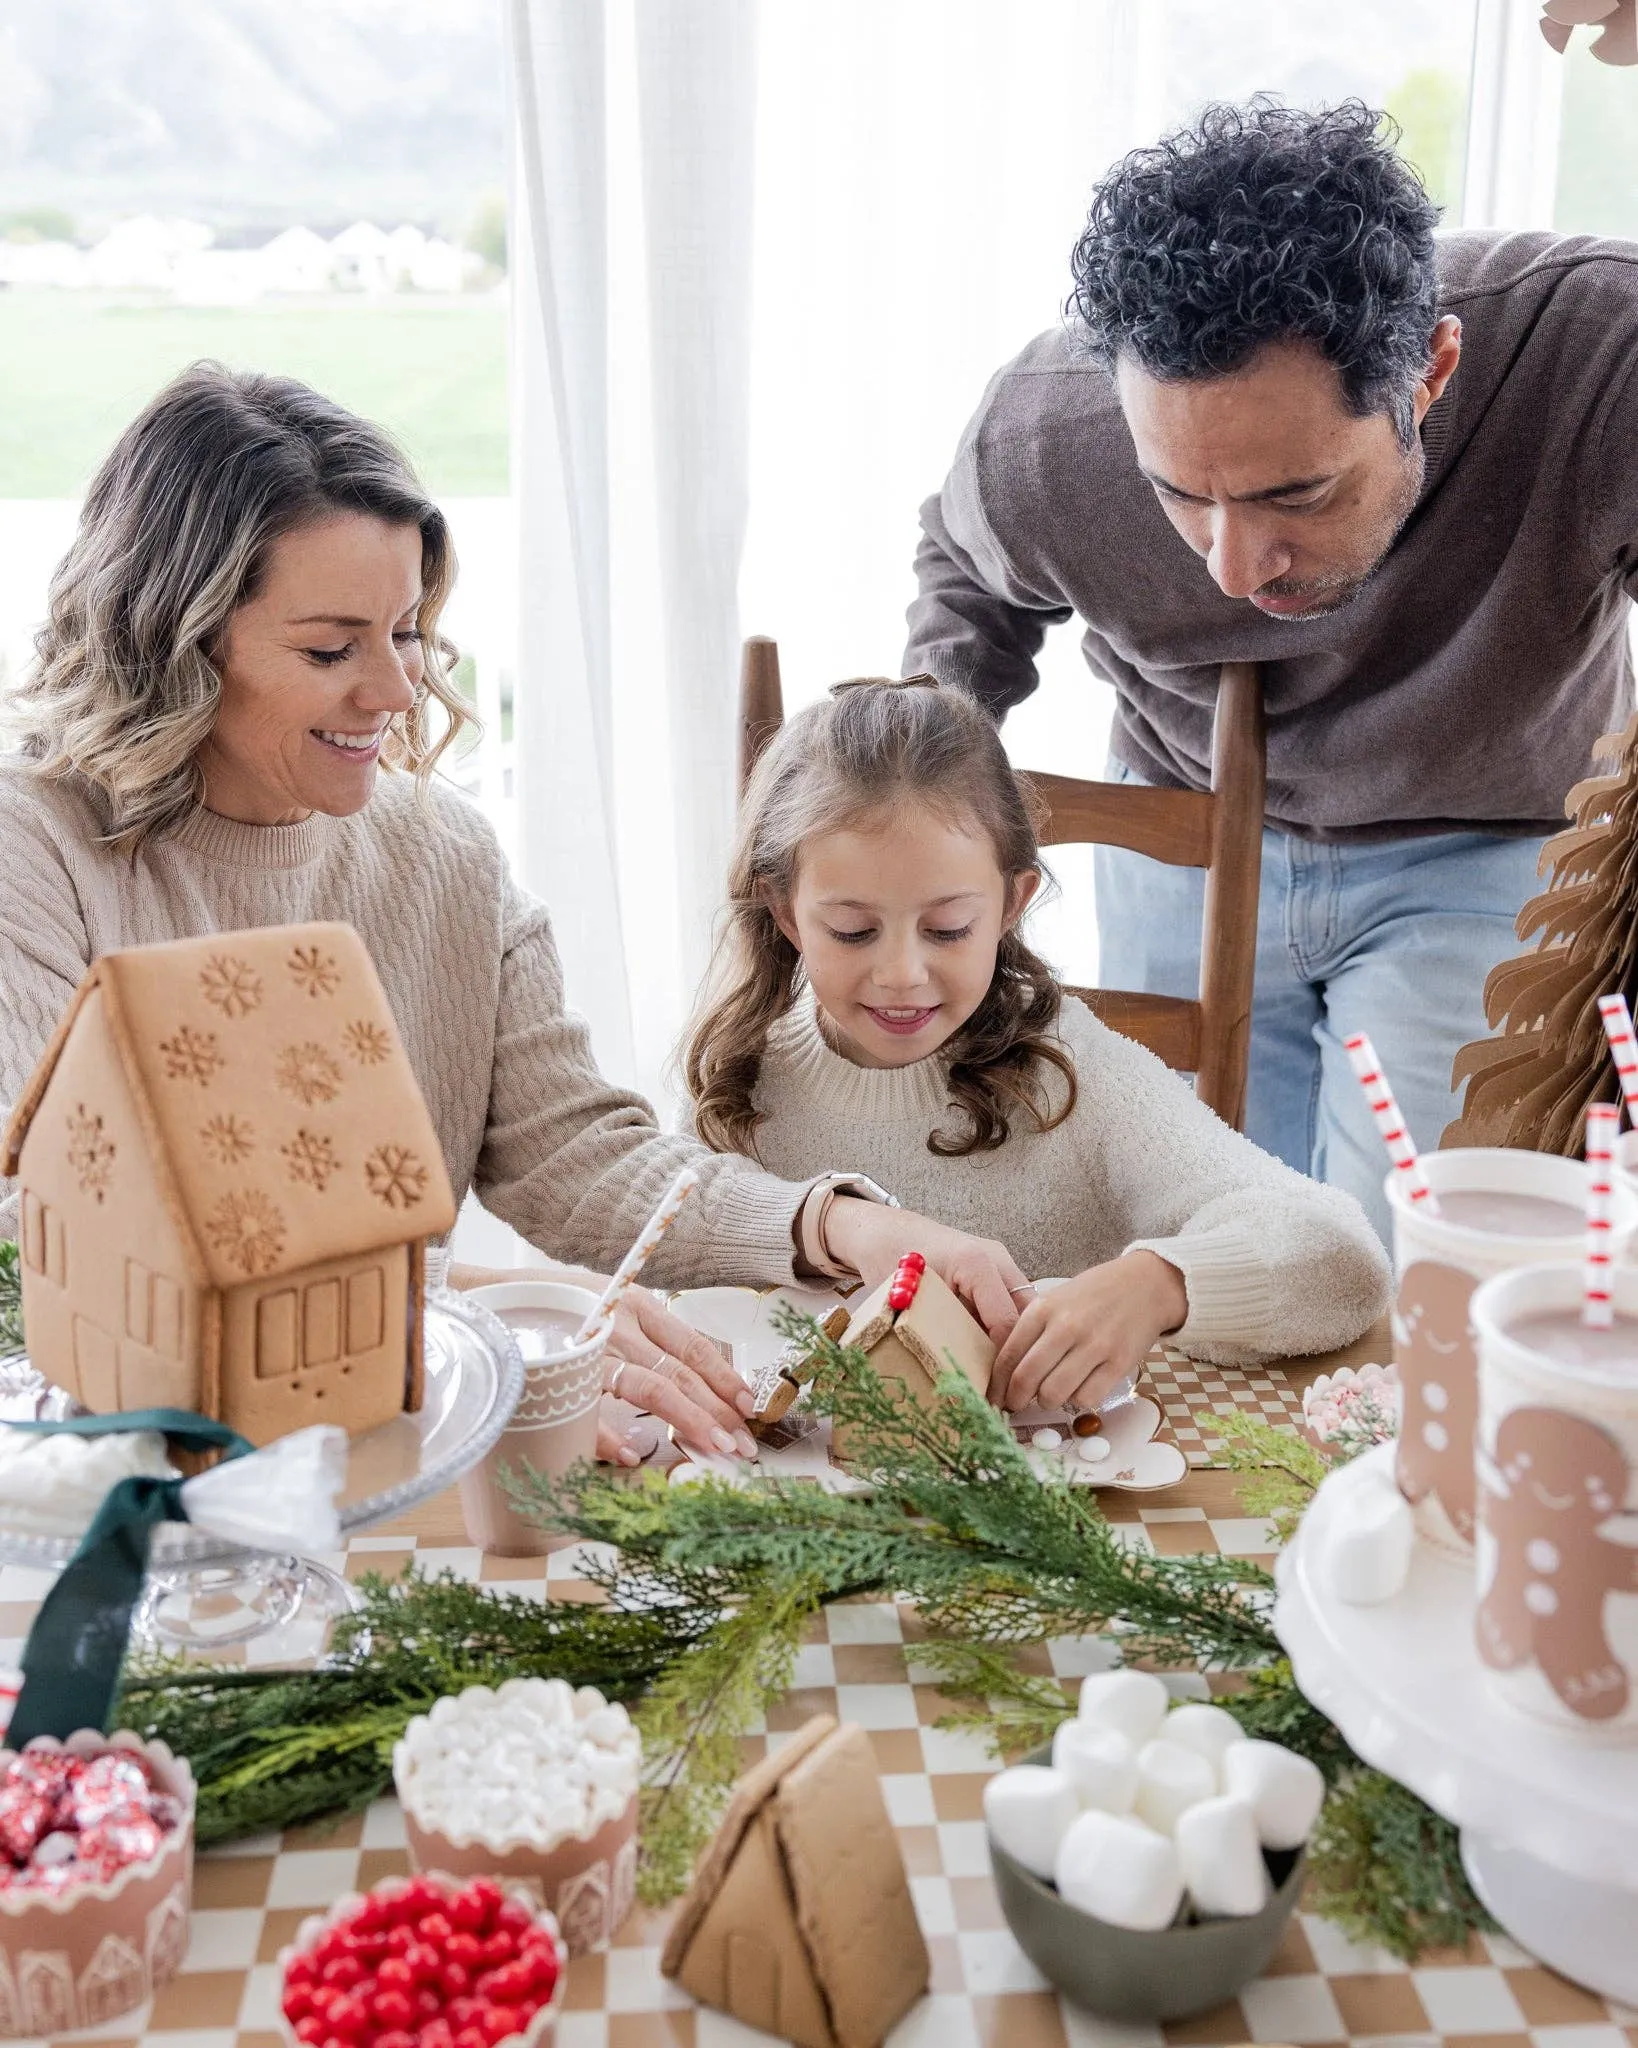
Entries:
{"x":1498,"y":1209}
{"x":1556,"y":1621}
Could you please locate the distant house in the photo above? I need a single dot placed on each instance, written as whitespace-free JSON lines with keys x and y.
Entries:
{"x":228,"y":1177}
{"x":295,"y":261}
{"x":141,"y":254}
{"x":360,"y":255}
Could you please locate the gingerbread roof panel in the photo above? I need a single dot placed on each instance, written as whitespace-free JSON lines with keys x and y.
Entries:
{"x":283,"y":1104}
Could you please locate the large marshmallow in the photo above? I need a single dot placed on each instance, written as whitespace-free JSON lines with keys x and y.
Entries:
{"x":1099,"y":1762}
{"x":1120,"y":1872}
{"x":1368,"y":1556}
{"x":1221,"y":1858}
{"x":1284,"y":1790}
{"x":1132,"y":1701}
{"x":1028,"y":1811}
{"x":1207,"y":1730}
{"x":1171,"y":1779}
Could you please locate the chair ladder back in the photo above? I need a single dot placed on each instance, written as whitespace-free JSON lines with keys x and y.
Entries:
{"x":761,"y":702}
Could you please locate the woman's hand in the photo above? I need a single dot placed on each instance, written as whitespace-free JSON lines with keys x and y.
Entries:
{"x":872,"y":1239}
{"x":656,"y":1362}
{"x":1075,"y":1345}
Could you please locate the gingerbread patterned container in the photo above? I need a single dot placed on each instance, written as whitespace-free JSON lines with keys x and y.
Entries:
{"x":1556,"y":1621}
{"x":81,"y":1957}
{"x":1499,"y":1209}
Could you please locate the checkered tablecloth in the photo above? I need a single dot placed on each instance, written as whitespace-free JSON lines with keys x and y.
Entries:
{"x":860,"y":1663}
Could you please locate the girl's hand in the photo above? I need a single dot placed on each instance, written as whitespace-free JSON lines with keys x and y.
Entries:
{"x":657,"y":1363}
{"x":1075,"y":1345}
{"x":872,"y":1240}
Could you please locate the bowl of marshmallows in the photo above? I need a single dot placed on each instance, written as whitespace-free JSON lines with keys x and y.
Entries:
{"x":1148,"y":1870}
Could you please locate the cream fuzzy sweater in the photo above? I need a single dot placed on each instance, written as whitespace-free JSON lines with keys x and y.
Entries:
{"x":1275,"y":1264}
{"x":469,"y":967}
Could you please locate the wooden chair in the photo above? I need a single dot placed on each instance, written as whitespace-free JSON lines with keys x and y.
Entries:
{"x":1208,"y":1035}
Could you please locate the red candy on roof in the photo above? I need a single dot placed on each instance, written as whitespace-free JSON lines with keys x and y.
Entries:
{"x":906,"y":1279}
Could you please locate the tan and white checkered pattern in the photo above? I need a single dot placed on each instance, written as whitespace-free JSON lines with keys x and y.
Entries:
{"x":859,"y":1662}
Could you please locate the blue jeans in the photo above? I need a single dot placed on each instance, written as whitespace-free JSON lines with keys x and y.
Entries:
{"x":1394,"y":938}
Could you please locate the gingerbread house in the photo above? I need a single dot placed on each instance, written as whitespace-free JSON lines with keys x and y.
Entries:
{"x":227,"y":1180}
{"x":800,"y":1919}
{"x":913,"y":1328}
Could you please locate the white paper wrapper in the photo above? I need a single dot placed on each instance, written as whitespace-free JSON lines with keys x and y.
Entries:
{"x":281,"y":1498}
{"x":54,"y":1485}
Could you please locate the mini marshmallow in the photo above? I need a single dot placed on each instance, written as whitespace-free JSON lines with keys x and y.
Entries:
{"x":1207,"y":1730}
{"x":1120,"y":1872}
{"x":1171,"y":1779}
{"x":1132,"y":1701}
{"x":1099,"y":1762}
{"x":1028,"y":1811}
{"x":1368,"y":1557}
{"x":1284,"y":1790}
{"x":1221,"y":1858}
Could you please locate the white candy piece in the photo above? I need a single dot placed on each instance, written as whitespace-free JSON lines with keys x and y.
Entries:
{"x":1205,"y":1729}
{"x":1221,"y":1858}
{"x":1094,"y":1449}
{"x":1171,"y":1779}
{"x":1284,"y":1790}
{"x":1368,"y":1557}
{"x":1132,"y":1701}
{"x":1099,"y":1762}
{"x":1028,"y":1810}
{"x":1047,"y":1439}
{"x":1120,"y":1872}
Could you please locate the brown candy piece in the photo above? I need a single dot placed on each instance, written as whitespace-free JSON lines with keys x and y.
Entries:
{"x":1089,"y":1423}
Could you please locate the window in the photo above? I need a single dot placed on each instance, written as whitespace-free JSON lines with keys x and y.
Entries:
{"x":1598,"y":146}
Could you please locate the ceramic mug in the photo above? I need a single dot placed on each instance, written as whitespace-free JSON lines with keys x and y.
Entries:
{"x":1556,"y":1621}
{"x":1499,"y":1208}
{"x":555,"y":1425}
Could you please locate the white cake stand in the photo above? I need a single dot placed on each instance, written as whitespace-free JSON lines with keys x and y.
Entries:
{"x":1549,"y":1817}
{"x":204,"y":1595}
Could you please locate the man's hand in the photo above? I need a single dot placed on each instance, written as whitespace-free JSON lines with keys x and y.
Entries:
{"x":656,"y":1362}
{"x":1075,"y":1345}
{"x":872,"y":1239}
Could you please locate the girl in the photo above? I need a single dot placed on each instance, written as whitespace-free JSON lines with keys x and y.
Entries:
{"x":874,"y":1001}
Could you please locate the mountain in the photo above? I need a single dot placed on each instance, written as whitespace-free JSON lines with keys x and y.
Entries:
{"x":252,"y":115}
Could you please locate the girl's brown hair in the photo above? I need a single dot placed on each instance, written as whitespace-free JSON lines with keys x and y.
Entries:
{"x":871,"y":744}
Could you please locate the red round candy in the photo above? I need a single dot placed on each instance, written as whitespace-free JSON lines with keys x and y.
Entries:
{"x":498,"y":1947}
{"x":311,"y":2032}
{"x":470,"y":1915}
{"x":899,"y":1297}
{"x":428,"y":2003}
{"x":424,"y":1960}
{"x":348,"y":2014}
{"x":472,"y":2036}
{"x":454,"y":1980}
{"x":435,"y":2034}
{"x":500,"y":2020}
{"x":463,"y":1948}
{"x":463,"y":2011}
{"x":345,"y":1970}
{"x":915,"y":1261}
{"x":436,"y":1928}
{"x":391,"y":2008}
{"x":396,"y":2037}
{"x":395,"y":1972}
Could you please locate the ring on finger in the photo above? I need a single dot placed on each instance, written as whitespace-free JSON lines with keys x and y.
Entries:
{"x":620,"y":1365}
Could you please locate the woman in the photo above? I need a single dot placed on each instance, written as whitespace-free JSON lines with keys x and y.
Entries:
{"x":244,"y":630}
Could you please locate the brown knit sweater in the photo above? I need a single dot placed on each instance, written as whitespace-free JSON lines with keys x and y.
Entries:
{"x":469,"y":967}
{"x":1463,"y":688}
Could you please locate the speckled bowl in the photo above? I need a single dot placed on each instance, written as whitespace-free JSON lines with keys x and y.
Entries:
{"x":1123,"y":1974}
{"x":541,"y":2030}
{"x":80,"y":1958}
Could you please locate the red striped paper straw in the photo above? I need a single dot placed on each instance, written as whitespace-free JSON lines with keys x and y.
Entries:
{"x":1362,"y":1058}
{"x":1597,"y":1311}
{"x":1618,"y":1029}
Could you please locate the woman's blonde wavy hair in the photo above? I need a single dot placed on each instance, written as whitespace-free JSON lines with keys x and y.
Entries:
{"x":871,"y":746}
{"x":174,"y":536}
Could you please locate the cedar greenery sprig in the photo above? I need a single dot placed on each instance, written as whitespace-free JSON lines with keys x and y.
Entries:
{"x":11,"y":1300}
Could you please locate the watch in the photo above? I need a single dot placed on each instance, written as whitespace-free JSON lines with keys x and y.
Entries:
{"x":815,"y":1212}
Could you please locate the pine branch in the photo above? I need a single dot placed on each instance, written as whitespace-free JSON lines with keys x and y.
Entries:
{"x":11,"y":1300}
{"x":1388,"y":1870}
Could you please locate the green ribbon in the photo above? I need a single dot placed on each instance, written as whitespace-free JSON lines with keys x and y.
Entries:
{"x":72,"y":1658}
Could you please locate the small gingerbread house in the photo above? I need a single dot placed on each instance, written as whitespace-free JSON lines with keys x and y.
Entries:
{"x":913,"y":1328}
{"x":799,"y":1919}
{"x":228,"y":1177}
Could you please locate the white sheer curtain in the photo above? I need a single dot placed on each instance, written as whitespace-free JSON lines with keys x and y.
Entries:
{"x":632,"y":221}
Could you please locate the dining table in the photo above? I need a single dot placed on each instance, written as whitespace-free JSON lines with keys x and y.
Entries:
{"x":858,"y":1662}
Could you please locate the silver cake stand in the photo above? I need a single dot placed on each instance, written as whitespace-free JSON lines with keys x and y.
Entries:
{"x":204,"y":1595}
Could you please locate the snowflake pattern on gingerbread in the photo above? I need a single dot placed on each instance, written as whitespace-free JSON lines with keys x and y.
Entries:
{"x":307,"y":1072}
{"x":310,"y":1160}
{"x":248,"y":1230}
{"x":229,"y":1140}
{"x":395,"y":1176}
{"x":191,"y":1055}
{"x":231,"y":986}
{"x":314,"y":971}
{"x":367,"y":1043}
{"x":90,"y":1152}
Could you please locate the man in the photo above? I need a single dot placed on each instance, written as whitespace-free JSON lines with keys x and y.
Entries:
{"x":1409,"y":471}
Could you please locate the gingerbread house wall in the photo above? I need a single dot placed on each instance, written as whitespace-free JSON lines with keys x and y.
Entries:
{"x":109,"y":1310}
{"x":329,"y":1343}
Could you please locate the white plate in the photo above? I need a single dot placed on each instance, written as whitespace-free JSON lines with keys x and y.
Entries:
{"x":743,"y":1318}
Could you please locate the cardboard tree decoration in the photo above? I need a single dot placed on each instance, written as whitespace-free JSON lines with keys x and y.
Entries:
{"x":1529,"y":1085}
{"x":799,"y":1919}
{"x":228,"y":1177}
{"x":1616,"y":21}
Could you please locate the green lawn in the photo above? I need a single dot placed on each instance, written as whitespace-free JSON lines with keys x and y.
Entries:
{"x":75,"y":367}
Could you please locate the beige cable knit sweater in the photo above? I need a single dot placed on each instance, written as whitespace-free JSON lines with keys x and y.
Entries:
{"x":1275,"y":1263}
{"x":473,"y":977}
